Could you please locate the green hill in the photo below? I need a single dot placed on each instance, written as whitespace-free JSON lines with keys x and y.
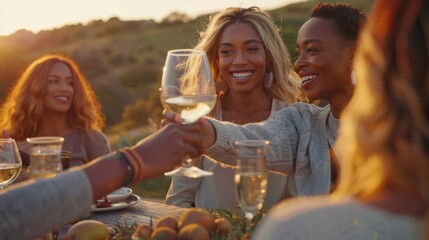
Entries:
{"x":123,"y":59}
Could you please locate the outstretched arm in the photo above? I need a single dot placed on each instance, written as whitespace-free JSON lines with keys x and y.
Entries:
{"x":31,"y":208}
{"x":156,"y":158}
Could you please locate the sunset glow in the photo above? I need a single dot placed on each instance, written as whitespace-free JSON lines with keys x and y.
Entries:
{"x":48,"y":14}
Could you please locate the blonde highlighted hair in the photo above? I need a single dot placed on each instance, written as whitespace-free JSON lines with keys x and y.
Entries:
{"x":384,"y":134}
{"x":286,"y":83}
{"x":23,"y":108}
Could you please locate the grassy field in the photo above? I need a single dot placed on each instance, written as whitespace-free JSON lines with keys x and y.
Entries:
{"x":152,"y":188}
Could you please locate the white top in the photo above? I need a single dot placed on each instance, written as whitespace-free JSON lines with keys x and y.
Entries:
{"x":300,"y":138}
{"x":218,"y":191}
{"x":324,"y":218}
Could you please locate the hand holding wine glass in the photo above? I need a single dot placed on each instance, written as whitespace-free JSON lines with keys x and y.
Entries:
{"x":188,"y":90}
{"x":10,"y":161}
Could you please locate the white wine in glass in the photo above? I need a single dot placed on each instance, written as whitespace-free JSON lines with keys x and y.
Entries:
{"x":251,"y":175}
{"x":188,"y":89}
{"x":10,"y":162}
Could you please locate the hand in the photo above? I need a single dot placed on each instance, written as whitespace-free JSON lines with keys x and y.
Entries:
{"x":170,"y":117}
{"x":165,"y":149}
{"x":208,"y":131}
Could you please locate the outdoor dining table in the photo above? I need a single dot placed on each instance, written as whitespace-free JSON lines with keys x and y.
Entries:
{"x":143,"y":212}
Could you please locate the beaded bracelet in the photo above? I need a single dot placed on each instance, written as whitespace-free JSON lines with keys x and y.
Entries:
{"x":137,"y":157}
{"x":128,"y":166}
{"x":135,"y":161}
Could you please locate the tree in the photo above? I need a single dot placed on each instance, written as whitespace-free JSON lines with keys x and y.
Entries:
{"x":176,"y":17}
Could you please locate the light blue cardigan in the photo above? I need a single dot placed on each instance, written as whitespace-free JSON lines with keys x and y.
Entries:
{"x":300,"y":137}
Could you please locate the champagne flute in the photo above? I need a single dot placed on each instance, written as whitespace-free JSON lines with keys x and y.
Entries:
{"x":10,"y":162}
{"x":251,"y":176}
{"x":188,"y":89}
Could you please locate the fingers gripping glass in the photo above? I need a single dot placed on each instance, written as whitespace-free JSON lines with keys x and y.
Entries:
{"x":188,"y":89}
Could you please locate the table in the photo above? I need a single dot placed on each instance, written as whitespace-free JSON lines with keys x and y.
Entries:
{"x":142,"y":212}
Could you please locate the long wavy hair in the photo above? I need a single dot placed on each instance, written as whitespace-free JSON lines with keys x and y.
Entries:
{"x":286,"y":83}
{"x":24,"y":107}
{"x":384,"y":134}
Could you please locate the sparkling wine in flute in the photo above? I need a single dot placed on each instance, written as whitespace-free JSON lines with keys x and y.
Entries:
{"x":251,"y":190}
{"x":9,"y":172}
{"x":191,"y":108}
{"x":251,"y":176}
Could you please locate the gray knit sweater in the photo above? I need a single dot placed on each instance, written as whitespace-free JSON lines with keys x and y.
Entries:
{"x":300,"y":137}
{"x":31,"y":209}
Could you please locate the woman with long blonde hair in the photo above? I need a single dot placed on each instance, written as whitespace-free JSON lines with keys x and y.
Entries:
{"x":254,"y":78}
{"x":54,"y":98}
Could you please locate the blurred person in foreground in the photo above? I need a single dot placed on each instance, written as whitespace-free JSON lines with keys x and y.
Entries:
{"x":254,"y":78}
{"x":53,"y":98}
{"x":383,"y":144}
{"x":31,"y":208}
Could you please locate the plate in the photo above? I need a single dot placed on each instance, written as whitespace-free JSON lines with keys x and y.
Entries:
{"x":119,"y":195}
{"x":131,"y":200}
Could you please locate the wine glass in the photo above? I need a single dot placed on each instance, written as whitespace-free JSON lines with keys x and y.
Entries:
{"x":10,"y":161}
{"x":251,"y":176}
{"x":188,"y":89}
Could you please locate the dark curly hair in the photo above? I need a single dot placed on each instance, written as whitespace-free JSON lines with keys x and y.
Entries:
{"x":346,"y":17}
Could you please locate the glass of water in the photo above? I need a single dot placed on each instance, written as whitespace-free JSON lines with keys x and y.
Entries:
{"x":45,"y":156}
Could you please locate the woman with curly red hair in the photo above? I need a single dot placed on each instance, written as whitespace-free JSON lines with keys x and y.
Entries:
{"x":54,"y":98}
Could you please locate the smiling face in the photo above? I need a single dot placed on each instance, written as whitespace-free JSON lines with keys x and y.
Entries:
{"x":59,"y":93}
{"x":323,"y":59}
{"x":242,"y":58}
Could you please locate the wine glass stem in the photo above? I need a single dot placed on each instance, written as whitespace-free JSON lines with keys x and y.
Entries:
{"x":249,"y":217}
{"x":187,"y":161}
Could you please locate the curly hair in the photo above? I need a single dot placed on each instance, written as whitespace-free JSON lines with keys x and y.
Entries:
{"x":384,"y":136}
{"x":347,"y":18}
{"x":286,"y":85}
{"x":24,"y":107}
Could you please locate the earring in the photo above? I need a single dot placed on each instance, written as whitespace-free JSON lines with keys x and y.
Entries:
{"x":268,"y":80}
{"x":353,"y":77}
{"x":221,"y":86}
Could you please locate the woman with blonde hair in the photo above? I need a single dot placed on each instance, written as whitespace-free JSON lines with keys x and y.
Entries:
{"x":254,"y":78}
{"x":383,"y":192}
{"x":53,"y":98}
{"x":302,"y":135}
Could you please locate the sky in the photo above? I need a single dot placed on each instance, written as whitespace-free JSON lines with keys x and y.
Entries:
{"x":36,"y":15}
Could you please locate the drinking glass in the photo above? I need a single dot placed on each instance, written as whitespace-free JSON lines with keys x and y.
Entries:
{"x":10,"y":161}
{"x":251,"y":175}
{"x":188,"y":89}
{"x":45,"y":156}
{"x":45,"y":162}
